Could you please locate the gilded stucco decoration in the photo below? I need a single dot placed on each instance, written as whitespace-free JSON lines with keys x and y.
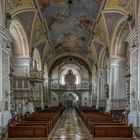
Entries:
{"x":38,"y":34}
{"x":100,"y":32}
{"x":18,"y":5}
{"x":125,"y":6}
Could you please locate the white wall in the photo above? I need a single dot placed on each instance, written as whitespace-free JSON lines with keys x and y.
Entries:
{"x":54,"y":99}
{"x":85,"y":99}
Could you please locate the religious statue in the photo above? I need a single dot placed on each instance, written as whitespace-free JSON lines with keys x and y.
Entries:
{"x":35,"y":64}
{"x":133,"y":93}
{"x":106,"y":87}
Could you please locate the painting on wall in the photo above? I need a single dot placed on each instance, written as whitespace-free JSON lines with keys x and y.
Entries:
{"x":70,"y":24}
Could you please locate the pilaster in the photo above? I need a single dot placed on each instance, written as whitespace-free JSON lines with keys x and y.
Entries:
{"x":133,"y":40}
{"x":5,"y":40}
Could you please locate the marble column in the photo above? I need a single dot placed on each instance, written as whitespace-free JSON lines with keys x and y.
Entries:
{"x":117,"y":84}
{"x":94,"y":91}
{"x":101,"y":94}
{"x":46,"y":91}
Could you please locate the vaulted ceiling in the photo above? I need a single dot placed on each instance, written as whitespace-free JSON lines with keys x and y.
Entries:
{"x":70,"y":23}
{"x":79,"y":28}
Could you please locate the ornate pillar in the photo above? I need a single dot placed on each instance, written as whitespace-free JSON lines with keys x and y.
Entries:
{"x":5,"y":40}
{"x":134,"y":115}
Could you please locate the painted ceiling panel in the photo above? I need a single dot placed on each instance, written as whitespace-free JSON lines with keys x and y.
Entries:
{"x":112,"y":20}
{"x":70,"y":25}
{"x":98,"y":48}
{"x":27,"y":20}
{"x":40,"y":48}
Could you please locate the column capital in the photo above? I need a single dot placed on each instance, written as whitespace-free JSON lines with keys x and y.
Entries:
{"x":117,"y":61}
{"x":21,"y":61}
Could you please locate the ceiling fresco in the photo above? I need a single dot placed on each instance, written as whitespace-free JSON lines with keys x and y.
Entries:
{"x":70,"y":24}
{"x":80,"y":28}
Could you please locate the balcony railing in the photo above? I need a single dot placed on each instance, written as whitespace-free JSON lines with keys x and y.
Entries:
{"x":56,"y":85}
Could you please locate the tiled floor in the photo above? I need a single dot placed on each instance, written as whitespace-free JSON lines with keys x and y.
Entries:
{"x":70,"y":127}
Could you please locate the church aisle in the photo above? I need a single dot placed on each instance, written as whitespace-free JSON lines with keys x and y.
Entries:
{"x":70,"y":127}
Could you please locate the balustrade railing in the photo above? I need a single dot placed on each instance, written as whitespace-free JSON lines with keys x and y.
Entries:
{"x":56,"y":85}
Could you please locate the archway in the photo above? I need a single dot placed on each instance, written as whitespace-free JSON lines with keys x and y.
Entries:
{"x":20,"y":49}
{"x":1,"y":17}
{"x":69,"y":99}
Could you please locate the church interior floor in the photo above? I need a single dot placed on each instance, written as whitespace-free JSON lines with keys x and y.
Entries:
{"x":71,"y":127}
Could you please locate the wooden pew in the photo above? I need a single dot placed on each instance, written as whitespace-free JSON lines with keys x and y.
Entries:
{"x":110,"y":130}
{"x":27,"y":131}
{"x":36,"y":125}
{"x":104,"y":125}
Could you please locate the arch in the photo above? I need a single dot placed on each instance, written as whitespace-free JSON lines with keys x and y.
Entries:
{"x":36,"y":57}
{"x":20,"y":44}
{"x":75,"y":98}
{"x":68,"y":93}
{"x":103,"y":59}
{"x":68,"y":57}
{"x":119,"y":37}
{"x":138,"y":13}
{"x":120,"y":43}
{"x":1,"y":17}
{"x":74,"y":55}
{"x":66,"y":68}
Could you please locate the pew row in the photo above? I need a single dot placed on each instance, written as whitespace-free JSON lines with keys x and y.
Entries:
{"x":102,"y":124}
{"x":36,"y":125}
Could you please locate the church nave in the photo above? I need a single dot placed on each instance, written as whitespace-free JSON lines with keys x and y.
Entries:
{"x":57,"y":54}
